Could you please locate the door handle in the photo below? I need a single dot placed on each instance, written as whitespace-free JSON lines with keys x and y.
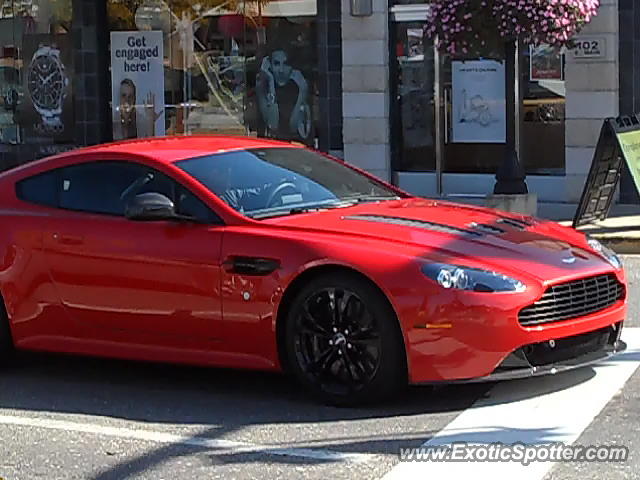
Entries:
{"x":256,"y":266}
{"x":68,"y":239}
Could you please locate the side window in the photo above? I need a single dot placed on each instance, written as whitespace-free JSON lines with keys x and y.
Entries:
{"x":156,"y":182}
{"x":98,"y":187}
{"x":40,"y":189}
{"x":105,"y":187}
{"x":190,"y":205}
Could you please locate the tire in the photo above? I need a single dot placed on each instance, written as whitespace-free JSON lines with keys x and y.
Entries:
{"x":342,"y":367}
{"x":6,"y":342}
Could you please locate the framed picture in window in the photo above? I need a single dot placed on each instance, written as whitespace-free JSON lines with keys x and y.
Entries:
{"x":545,"y":63}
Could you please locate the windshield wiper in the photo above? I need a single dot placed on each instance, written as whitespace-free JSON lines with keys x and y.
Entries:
{"x":338,"y":203}
{"x":298,"y":210}
{"x":368,"y":198}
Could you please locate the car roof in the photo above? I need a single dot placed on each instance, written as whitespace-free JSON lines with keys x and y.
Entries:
{"x":174,"y":148}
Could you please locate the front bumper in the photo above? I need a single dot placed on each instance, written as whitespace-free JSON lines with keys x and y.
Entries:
{"x":481,"y":341}
{"x":566,"y":354}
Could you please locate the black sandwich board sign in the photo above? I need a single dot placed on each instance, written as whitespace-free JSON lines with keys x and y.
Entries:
{"x":619,"y":142}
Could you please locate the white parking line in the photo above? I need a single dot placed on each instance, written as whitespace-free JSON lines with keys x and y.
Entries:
{"x":534,"y":411}
{"x":221,"y":446}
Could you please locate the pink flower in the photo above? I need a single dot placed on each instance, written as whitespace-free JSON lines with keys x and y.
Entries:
{"x":465,"y":26}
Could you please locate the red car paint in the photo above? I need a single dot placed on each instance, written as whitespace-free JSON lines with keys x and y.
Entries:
{"x":107,"y":286}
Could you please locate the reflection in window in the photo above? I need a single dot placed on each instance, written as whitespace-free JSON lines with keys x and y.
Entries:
{"x":229,"y":67}
{"x":415,"y":108}
{"x":543,"y":111}
{"x":262,"y":179}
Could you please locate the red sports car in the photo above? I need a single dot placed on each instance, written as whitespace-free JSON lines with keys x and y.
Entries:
{"x":247,"y":253}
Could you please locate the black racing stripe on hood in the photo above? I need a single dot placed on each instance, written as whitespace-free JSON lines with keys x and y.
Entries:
{"x":407,"y":222}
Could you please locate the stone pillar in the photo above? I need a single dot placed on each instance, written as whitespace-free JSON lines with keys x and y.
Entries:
{"x":90,"y":82}
{"x":365,"y":84}
{"x":592,"y":95}
{"x":329,"y":126}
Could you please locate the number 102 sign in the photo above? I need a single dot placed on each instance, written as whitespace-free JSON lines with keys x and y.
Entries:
{"x":589,"y":47}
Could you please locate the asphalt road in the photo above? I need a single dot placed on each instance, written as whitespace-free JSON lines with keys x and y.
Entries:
{"x":78,"y":418}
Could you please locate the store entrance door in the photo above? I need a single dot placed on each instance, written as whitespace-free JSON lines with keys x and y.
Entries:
{"x":448,"y":117}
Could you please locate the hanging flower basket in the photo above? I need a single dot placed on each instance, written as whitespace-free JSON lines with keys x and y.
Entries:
{"x":469,"y":28}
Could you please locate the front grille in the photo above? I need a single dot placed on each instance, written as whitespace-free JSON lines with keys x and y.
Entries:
{"x":573,"y":299}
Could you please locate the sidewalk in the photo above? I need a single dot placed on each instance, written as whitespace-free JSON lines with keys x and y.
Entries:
{"x":620,"y":231}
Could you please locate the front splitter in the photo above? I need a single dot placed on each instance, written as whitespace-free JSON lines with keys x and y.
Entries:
{"x":550,"y":369}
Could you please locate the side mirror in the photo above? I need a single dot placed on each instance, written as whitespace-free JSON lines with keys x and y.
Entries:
{"x":150,"y":206}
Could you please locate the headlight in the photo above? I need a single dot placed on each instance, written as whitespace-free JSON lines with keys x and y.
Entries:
{"x":474,"y":279}
{"x":605,"y":252}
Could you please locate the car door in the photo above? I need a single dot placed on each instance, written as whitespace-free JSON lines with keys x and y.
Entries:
{"x":154,"y":281}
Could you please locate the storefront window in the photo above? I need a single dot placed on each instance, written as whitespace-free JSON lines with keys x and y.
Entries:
{"x":414,"y":129}
{"x":472,"y":117}
{"x":181,"y":67}
{"x":543,"y":129}
{"x":36,"y":77}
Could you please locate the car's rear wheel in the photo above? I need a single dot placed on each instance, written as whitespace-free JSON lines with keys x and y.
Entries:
{"x":343,"y":341}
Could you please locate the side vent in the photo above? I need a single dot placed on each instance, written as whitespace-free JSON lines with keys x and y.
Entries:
{"x":486,"y":228}
{"x":517,"y":224}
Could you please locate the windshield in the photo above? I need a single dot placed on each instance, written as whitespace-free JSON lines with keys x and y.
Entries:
{"x":264,"y":182}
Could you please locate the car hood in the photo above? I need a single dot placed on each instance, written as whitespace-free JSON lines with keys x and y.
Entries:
{"x":447,"y":231}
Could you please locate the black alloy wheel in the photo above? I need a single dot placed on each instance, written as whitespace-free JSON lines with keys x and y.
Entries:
{"x":343,"y":341}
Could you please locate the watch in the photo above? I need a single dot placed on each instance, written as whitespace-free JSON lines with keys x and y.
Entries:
{"x":46,"y":84}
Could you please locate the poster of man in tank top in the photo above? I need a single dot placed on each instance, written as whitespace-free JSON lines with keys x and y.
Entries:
{"x":284,"y":84}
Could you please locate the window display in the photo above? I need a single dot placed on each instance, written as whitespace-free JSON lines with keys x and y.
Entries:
{"x":48,"y":107}
{"x":228,"y":67}
{"x":137,"y":84}
{"x":543,"y":111}
{"x":36,"y":74}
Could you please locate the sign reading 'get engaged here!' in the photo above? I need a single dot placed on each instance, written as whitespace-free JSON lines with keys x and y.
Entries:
{"x":137,"y":84}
